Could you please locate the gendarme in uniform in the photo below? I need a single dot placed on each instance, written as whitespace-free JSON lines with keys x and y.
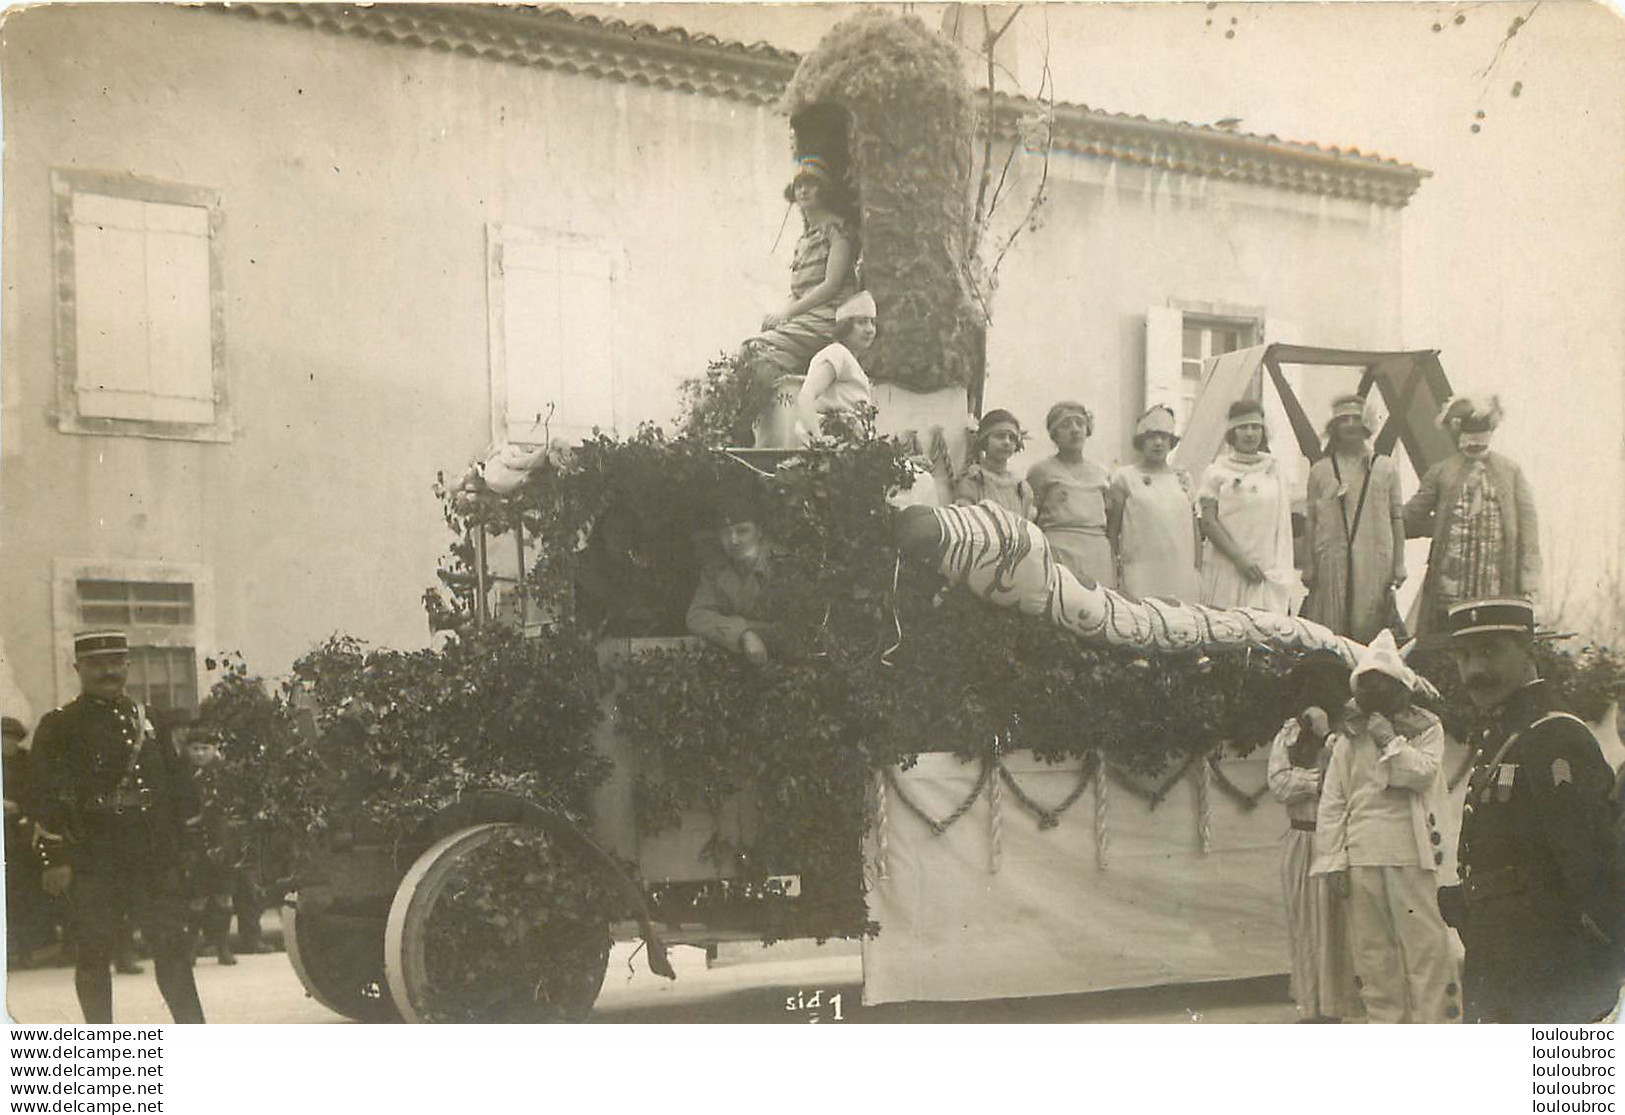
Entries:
{"x":110,"y":802}
{"x":1543,"y":916}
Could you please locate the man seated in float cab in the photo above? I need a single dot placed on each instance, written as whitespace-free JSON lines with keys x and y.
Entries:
{"x":728,"y":609}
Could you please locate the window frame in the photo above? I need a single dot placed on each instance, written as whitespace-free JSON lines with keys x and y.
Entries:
{"x":65,"y":184}
{"x":198,"y":635}
{"x":499,"y":237}
{"x":1248,"y":328}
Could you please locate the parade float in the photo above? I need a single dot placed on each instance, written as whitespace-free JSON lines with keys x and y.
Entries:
{"x":1006,"y":781}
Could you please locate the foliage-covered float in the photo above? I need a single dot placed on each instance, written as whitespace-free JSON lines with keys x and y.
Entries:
{"x":475,"y":823}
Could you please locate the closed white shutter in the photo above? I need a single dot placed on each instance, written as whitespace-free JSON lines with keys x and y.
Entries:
{"x":1164,"y":329}
{"x":180,"y":352}
{"x":110,"y":307}
{"x":556,"y":338}
{"x":587,"y":346}
{"x":142,"y":310}
{"x":530,"y":345}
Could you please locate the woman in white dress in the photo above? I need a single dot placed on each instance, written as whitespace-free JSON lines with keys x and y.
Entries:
{"x":1151,"y":516}
{"x":835,"y":379}
{"x":1247,"y":521}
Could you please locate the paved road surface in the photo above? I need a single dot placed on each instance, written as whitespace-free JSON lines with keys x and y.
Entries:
{"x":746,"y":984}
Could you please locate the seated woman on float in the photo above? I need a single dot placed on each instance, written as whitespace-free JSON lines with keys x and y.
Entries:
{"x":836,"y":381}
{"x":822,"y":277}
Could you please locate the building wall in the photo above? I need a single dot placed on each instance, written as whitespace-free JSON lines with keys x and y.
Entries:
{"x":1115,"y":240}
{"x":357,"y":185}
{"x":357,"y":181}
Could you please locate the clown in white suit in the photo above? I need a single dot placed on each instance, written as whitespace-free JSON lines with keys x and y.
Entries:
{"x":1378,"y":841}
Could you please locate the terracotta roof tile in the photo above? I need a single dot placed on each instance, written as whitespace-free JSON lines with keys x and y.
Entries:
{"x":552,"y":37}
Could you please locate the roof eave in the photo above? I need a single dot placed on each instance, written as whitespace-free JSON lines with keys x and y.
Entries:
{"x":642,"y":54}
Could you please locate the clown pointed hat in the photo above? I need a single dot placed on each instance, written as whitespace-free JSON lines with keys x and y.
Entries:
{"x":1383,"y":656}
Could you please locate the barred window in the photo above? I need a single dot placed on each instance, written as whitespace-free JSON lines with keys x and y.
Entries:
{"x":165,"y":610}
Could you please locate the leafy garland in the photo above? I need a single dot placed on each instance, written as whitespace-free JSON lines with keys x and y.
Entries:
{"x":611,"y":528}
{"x":404,"y":734}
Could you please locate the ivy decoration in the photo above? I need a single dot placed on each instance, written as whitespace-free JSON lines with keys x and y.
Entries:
{"x":611,"y":530}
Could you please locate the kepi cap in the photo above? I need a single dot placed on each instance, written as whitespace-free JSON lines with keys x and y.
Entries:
{"x":11,"y":726}
{"x":88,"y":644}
{"x":1477,"y":617}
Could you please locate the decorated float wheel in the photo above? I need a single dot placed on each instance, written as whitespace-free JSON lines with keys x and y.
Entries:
{"x":340,"y":960}
{"x":497,"y":923}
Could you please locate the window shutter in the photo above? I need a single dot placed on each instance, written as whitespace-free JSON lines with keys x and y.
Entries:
{"x":557,"y":338}
{"x":180,"y":351}
{"x":530,"y":343}
{"x":142,"y":310}
{"x":1164,"y":332}
{"x":110,"y":300}
{"x":587,"y":350}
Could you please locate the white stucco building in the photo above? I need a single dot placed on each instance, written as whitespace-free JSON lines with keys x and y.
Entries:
{"x":270,"y":269}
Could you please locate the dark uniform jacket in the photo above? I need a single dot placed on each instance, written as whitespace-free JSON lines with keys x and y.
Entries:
{"x":214,"y":845}
{"x":728,"y":603}
{"x":80,"y":757}
{"x":1544,"y":888}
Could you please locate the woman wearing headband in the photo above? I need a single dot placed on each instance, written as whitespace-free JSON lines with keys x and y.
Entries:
{"x":998,"y":438}
{"x":1151,"y":516}
{"x":1070,"y":491}
{"x":1356,"y":529}
{"x":822,"y":277}
{"x":1247,"y":520}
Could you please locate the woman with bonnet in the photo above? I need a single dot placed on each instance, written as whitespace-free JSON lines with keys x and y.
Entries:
{"x":1151,"y":515}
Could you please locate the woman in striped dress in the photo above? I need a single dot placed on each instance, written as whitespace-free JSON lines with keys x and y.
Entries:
{"x":822,"y":276}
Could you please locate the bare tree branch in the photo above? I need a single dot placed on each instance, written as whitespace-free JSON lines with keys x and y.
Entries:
{"x":1004,"y":171}
{"x":1046,"y":80}
{"x":990,"y":41}
{"x":987,"y":142}
{"x":994,"y":41}
{"x":1518,"y":24}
